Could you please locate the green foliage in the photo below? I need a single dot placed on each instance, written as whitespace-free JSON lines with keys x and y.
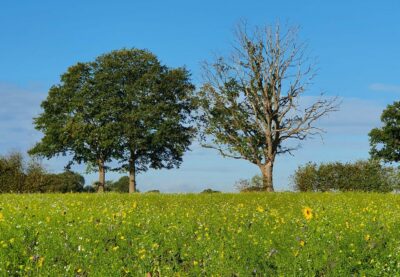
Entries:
{"x":125,"y":105}
{"x":12,"y":177}
{"x":122,"y":185}
{"x":153,"y":106}
{"x":252,"y":234}
{"x":67,"y":181}
{"x":385,"y":141}
{"x":359,"y":176}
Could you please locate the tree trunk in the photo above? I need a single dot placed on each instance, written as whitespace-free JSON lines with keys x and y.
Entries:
{"x":267,"y":172}
{"x":102,"y":177}
{"x":132,"y":173}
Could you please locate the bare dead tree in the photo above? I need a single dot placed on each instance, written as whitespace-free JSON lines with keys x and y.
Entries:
{"x":251,"y":100}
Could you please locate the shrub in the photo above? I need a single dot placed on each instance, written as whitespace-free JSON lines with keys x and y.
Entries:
{"x":359,"y":176}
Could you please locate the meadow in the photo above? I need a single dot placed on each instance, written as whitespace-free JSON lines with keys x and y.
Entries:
{"x":251,"y":234}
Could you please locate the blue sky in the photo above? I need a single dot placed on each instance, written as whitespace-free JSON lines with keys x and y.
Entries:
{"x":356,"y":44}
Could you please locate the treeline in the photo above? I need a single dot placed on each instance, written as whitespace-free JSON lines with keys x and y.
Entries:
{"x":20,"y":176}
{"x":368,"y":175}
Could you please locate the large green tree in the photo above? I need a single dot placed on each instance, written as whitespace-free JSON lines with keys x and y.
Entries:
{"x":385,"y":141}
{"x":78,"y":119}
{"x":153,"y":109}
{"x":251,"y":100}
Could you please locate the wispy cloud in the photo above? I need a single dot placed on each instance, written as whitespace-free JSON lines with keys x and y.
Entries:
{"x":384,"y":87}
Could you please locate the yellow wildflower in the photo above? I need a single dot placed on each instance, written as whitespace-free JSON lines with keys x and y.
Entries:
{"x":1,"y":217}
{"x":40,"y":261}
{"x":260,"y":209}
{"x":307,"y":212}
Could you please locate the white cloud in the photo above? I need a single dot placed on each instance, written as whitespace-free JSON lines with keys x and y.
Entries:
{"x":385,"y":87}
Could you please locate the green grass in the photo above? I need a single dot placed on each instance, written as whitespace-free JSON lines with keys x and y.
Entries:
{"x":250,"y":234}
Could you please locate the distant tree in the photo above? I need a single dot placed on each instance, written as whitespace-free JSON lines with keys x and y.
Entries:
{"x":250,"y":100}
{"x":78,"y":119}
{"x":69,"y":181}
{"x":254,"y":184}
{"x":37,"y":177}
{"x":121,"y":185}
{"x":206,"y":191}
{"x":153,"y":191}
{"x":385,"y":141}
{"x":153,"y":108}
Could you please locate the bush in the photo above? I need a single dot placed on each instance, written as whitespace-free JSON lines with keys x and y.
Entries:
{"x":210,"y":191}
{"x":359,"y":176}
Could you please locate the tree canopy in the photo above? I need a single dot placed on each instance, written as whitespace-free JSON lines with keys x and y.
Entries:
{"x":153,"y":110}
{"x":385,"y":141}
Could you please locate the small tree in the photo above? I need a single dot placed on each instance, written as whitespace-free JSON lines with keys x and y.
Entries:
{"x":250,"y":100}
{"x":385,"y":141}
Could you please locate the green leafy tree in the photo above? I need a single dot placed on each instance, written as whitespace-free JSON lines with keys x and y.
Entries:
{"x":126,"y":106}
{"x":250,"y":101}
{"x":385,"y":141}
{"x":78,"y":119}
{"x":153,"y":110}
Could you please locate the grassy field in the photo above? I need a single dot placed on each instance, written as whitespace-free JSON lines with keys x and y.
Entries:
{"x":284,"y":234}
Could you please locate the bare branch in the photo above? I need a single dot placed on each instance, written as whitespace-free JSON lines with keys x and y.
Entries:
{"x":251,"y":99}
